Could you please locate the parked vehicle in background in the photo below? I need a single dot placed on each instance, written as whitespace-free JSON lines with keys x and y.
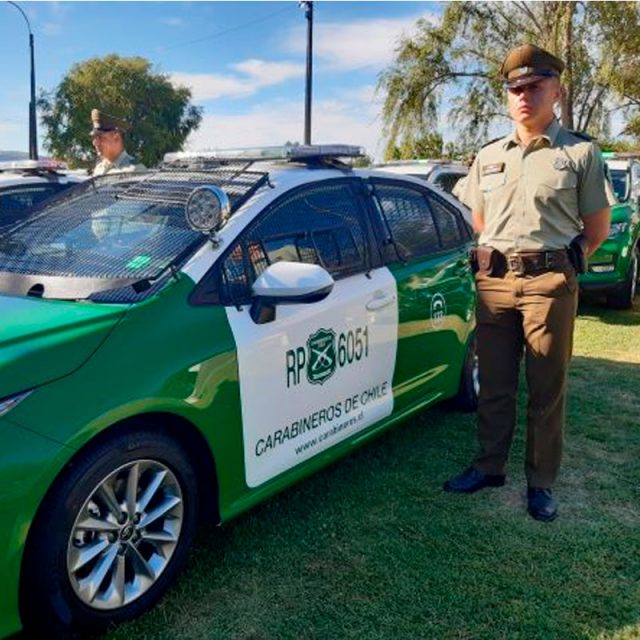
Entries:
{"x":185,"y":343}
{"x":443,"y":174}
{"x":25,"y":184}
{"x":613,"y":268}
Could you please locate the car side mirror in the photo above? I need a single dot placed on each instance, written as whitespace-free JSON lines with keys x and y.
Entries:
{"x":288,"y":283}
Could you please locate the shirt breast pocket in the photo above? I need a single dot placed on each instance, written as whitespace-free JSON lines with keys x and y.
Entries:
{"x":558,"y":191}
{"x":492,"y":182}
{"x":561,"y":180}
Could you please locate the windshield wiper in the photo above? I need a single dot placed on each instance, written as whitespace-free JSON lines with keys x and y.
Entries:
{"x":143,"y":284}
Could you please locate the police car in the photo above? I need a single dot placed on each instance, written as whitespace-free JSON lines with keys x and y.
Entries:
{"x":186,"y":342}
{"x":613,"y":268}
{"x":25,"y":184}
{"x":443,"y":174}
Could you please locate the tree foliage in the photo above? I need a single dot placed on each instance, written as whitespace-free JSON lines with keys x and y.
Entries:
{"x":456,"y":63}
{"x":426,"y":145}
{"x":159,"y":114}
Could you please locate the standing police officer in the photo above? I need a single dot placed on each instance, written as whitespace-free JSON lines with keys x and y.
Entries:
{"x":108,"y":140}
{"x":539,"y":200}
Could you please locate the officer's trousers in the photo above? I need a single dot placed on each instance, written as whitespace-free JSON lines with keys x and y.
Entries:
{"x":534,"y":315}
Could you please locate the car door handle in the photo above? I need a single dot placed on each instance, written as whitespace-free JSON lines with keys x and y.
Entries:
{"x":380,"y":300}
{"x":461,"y":267}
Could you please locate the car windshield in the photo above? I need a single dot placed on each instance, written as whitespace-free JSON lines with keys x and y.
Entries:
{"x":620,"y":183}
{"x":107,"y":233}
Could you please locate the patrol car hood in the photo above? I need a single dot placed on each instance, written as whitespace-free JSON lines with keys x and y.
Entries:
{"x":41,"y":340}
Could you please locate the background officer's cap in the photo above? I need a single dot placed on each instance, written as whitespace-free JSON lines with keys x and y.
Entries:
{"x":528,"y":63}
{"x":103,"y":122}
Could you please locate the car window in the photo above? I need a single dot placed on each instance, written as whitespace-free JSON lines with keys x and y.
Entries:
{"x":318,"y":224}
{"x":447,"y":181}
{"x":448,"y":222}
{"x":16,"y":200}
{"x":409,"y":219}
{"x":620,"y":182}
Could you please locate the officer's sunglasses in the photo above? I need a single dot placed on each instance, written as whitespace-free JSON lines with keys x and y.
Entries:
{"x":529,"y":88}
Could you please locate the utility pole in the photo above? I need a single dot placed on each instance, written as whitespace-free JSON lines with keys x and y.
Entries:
{"x":33,"y":133}
{"x":308,"y":14}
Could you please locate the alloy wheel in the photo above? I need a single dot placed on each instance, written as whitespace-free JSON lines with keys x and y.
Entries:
{"x":125,"y":534}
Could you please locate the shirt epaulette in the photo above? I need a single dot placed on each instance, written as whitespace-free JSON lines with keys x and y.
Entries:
{"x":486,"y":144}
{"x":581,"y":134}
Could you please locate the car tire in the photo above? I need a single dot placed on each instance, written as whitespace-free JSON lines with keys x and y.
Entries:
{"x":467,"y":397}
{"x":111,"y":535}
{"x":623,"y":296}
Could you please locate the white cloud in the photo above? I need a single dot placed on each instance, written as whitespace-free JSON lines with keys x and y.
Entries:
{"x":363,"y":44}
{"x":253,"y":75}
{"x":275,"y":122}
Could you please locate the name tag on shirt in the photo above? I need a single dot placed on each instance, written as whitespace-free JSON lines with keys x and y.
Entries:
{"x":489,"y":169}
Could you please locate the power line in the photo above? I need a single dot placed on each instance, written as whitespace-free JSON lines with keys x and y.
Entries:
{"x":232,"y":29}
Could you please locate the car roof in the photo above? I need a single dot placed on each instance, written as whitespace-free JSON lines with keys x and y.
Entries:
{"x":10,"y":179}
{"x":421,"y":167}
{"x":620,"y":165}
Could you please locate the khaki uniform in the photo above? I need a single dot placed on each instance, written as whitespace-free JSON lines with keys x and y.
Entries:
{"x":532,"y":200}
{"x":123,"y":163}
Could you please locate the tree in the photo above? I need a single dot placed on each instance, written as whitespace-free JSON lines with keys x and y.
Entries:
{"x":159,"y":114}
{"x":460,"y":58}
{"x":427,"y":144}
{"x":362,"y":162}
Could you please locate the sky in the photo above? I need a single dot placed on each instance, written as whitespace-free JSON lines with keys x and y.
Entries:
{"x":244,"y":61}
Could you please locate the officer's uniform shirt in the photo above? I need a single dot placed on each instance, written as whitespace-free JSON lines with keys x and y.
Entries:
{"x":123,"y":163}
{"x":534,"y":198}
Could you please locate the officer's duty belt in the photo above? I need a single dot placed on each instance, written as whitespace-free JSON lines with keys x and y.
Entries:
{"x":532,"y":262}
{"x":492,"y":262}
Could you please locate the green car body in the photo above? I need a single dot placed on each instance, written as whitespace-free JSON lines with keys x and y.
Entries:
{"x":613,"y":268}
{"x":78,"y":375}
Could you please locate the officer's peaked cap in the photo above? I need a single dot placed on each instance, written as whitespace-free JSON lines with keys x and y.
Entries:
{"x":103,"y":122}
{"x":528,"y":63}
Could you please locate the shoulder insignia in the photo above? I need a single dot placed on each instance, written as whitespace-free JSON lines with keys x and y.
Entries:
{"x":581,"y":134}
{"x":486,"y":144}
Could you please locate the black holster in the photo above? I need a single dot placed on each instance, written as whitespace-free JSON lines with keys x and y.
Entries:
{"x":483,"y":259}
{"x":577,"y":252}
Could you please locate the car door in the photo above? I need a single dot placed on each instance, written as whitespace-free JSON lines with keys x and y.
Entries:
{"x":426,"y":249}
{"x":317,"y":373}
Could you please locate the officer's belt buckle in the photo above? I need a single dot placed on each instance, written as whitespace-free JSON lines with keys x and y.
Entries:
{"x":516,"y":264}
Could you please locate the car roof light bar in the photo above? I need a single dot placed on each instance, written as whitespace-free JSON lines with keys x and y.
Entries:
{"x":32,"y":165}
{"x":295,"y":152}
{"x":29,"y":165}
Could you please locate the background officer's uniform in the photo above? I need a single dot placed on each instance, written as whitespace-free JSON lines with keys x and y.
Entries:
{"x":124,"y":162}
{"x":103,"y":123}
{"x":532,"y":200}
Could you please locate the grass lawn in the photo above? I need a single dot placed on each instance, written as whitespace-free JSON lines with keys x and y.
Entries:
{"x":372,"y":548}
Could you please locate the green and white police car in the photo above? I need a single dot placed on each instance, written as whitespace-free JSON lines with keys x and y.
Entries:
{"x":613,"y":268}
{"x":186,"y":342}
{"x":26,"y":184}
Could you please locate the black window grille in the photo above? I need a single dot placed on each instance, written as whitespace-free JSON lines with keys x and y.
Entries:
{"x":448,"y":221}
{"x":409,"y":219}
{"x":319,"y":224}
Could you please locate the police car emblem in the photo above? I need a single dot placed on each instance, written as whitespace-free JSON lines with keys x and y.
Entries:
{"x":438,"y":310}
{"x":321,"y":358}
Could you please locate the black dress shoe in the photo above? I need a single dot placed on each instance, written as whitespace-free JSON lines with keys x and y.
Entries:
{"x":541,"y":505}
{"x":472,"y":480}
